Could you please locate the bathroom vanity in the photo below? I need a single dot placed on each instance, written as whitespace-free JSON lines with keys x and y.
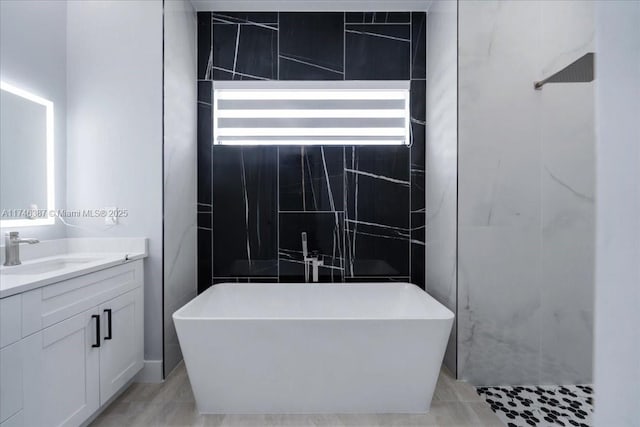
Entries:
{"x":71,"y":329}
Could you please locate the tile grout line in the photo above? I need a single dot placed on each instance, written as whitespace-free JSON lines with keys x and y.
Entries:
{"x":278,"y":161}
{"x":211,"y":241}
{"x":410,"y":142}
{"x":345,"y":215}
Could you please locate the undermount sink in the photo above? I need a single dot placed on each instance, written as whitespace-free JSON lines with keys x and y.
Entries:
{"x":41,"y":267}
{"x":52,"y":261}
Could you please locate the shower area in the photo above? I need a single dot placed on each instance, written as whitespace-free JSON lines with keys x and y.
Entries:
{"x":510,"y":182}
{"x":526,"y":182}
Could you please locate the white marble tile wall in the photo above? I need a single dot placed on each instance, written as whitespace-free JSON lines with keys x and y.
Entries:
{"x":526,"y":185}
{"x":441,"y":157}
{"x":568,"y":233}
{"x":179,"y":169}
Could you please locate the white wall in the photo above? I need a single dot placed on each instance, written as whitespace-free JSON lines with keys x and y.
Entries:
{"x":617,"y":309}
{"x":526,"y":194}
{"x":442,"y":158}
{"x":180,"y":100}
{"x":33,"y":57}
{"x":114,"y":145}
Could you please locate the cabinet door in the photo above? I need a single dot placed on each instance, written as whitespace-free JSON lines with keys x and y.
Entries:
{"x":10,"y":320}
{"x":10,"y":381}
{"x":61,"y":372}
{"x":121,"y":355}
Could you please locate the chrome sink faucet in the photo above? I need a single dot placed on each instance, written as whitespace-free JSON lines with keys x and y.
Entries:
{"x":310,"y":262}
{"x":12,"y":242}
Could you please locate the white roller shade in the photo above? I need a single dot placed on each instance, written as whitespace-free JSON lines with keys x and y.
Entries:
{"x":311,"y":113}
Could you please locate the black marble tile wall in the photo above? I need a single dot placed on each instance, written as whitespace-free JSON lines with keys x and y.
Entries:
{"x":266,"y":18}
{"x":378,"y":17}
{"x":311,"y":46}
{"x":204,"y":255}
{"x":377,"y":226}
{"x":245,"y":209}
{"x":311,"y":178}
{"x":204,"y":54}
{"x":363,"y":208}
{"x":205,"y":189}
{"x":377,"y":52}
{"x":245,"y":51}
{"x":244,"y":280}
{"x":418,"y":135}
{"x":418,"y":46}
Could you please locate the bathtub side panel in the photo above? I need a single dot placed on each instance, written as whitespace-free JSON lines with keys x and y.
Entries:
{"x":313,"y":366}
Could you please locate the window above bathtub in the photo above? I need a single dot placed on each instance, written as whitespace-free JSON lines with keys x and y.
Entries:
{"x":311,"y":113}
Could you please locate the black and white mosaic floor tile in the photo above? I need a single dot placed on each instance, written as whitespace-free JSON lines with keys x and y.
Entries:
{"x":541,"y":405}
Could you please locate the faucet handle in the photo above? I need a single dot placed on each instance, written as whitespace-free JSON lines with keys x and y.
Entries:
{"x":304,"y":244}
{"x":13,"y":234}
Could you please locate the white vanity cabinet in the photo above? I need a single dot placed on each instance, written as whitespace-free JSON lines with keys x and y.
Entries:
{"x":61,"y":378}
{"x":121,"y":354}
{"x":81,"y":341}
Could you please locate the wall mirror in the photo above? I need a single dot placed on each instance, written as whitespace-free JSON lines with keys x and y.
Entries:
{"x":26,"y":158}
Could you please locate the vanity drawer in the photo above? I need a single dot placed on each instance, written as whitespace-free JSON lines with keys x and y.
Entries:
{"x":51,"y":304}
{"x":10,"y":320}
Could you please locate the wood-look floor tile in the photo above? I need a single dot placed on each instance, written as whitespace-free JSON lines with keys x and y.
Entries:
{"x":171,"y":404}
{"x":463,"y":391}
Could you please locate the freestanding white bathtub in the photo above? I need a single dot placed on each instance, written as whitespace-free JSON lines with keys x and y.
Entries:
{"x":313,"y":348}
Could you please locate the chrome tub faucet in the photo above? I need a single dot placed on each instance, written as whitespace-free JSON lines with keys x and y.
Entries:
{"x":310,"y":262}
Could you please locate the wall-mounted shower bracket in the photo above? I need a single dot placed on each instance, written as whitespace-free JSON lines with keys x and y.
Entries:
{"x":579,"y":71}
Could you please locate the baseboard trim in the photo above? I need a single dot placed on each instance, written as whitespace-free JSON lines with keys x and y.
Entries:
{"x":151,"y":372}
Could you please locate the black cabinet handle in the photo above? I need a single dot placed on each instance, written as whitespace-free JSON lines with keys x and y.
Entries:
{"x":109,"y":331}
{"x":97,"y":317}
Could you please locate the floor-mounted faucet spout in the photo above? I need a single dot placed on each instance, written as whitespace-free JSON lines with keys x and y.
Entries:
{"x":311,"y":263}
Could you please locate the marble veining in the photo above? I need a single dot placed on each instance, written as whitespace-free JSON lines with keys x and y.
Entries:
{"x":378,"y":17}
{"x":352,"y":29}
{"x":311,"y":178}
{"x":526,"y":191}
{"x":575,"y":192}
{"x":182,"y":102}
{"x":372,"y":175}
{"x":291,"y":58}
{"x":363,"y":207}
{"x":244,"y":50}
{"x":440,"y":171}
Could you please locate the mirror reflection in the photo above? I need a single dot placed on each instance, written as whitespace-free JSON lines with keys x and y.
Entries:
{"x":26,"y":156}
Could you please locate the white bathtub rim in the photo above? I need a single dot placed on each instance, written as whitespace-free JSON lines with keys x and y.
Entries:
{"x":179,"y":314}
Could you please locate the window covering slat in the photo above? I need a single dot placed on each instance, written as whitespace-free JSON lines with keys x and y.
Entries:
{"x":304,"y":113}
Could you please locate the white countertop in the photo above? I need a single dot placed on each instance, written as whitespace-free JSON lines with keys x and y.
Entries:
{"x":92,"y":254}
